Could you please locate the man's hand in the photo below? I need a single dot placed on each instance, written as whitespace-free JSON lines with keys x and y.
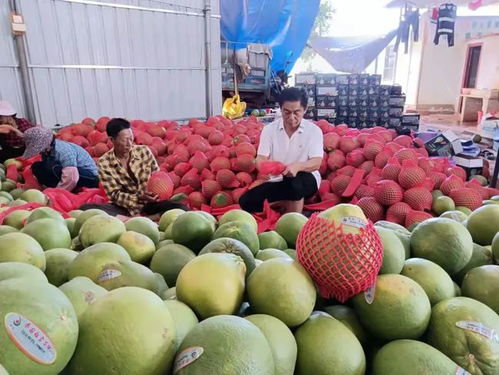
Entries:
{"x":146,"y":198}
{"x":6,"y":129}
{"x":292,"y":170}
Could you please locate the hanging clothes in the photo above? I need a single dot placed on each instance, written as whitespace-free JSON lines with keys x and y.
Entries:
{"x":410,"y":19}
{"x":446,"y":23}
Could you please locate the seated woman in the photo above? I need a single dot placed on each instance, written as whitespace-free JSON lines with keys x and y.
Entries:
{"x":11,"y":132}
{"x":64,"y":165}
{"x":124,"y":172}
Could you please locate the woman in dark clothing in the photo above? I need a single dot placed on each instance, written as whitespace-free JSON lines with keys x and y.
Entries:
{"x":12,"y":130}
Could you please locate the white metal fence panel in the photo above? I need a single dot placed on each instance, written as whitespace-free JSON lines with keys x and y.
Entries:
{"x":132,"y":58}
{"x":10,"y":83}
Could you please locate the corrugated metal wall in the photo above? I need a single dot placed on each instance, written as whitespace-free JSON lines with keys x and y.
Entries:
{"x":133,"y":58}
{"x":10,"y":83}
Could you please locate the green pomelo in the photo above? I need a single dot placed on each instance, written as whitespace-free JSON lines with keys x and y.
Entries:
{"x":267,"y":254}
{"x":33,"y":195}
{"x":495,"y":248}
{"x":169,"y":217}
{"x":210,"y":218}
{"x":231,"y":246}
{"x":400,"y":309}
{"x":393,"y":251}
{"x":35,"y":313}
{"x":169,"y":260}
{"x":289,"y":225}
{"x":17,"y":202}
{"x":167,"y":234}
{"x":272,"y":240}
{"x":238,"y":215}
{"x":212,"y":284}
{"x":239,"y":230}
{"x":161,"y":285}
{"x":291,"y":253}
{"x":170,"y":294}
{"x":437,"y":194}
{"x":433,"y":279}
{"x":457,"y":290}
{"x":101,"y":228}
{"x":75,"y":213}
{"x":17,"y":218}
{"x":347,"y":316}
{"x":483,"y":224}
{"x":411,"y":357}
{"x":452,"y":330}
{"x":482,"y":283}
{"x":3,"y":371}
{"x":455,"y":215}
{"x":70,"y":224}
{"x":401,"y":232}
{"x":91,"y":261}
{"x":82,"y":292}
{"x":281,"y":341}
{"x":9,"y":185}
{"x":4,"y":229}
{"x":139,"y":246}
{"x":6,"y":195}
{"x":50,"y":233}
{"x":453,"y":253}
{"x":144,"y":226}
{"x":184,"y":318}
{"x":127,"y":273}
{"x":18,"y":270}
{"x":193,"y":230}
{"x":85,"y":215}
{"x":16,"y":193}
{"x":480,"y":257}
{"x":58,"y":261}
{"x":19,"y":247}
{"x":164,"y":243}
{"x":43,"y":213}
{"x":141,"y":337}
{"x":282,"y":288}
{"x":464,"y":210}
{"x":442,"y":204}
{"x":326,"y":346}
{"x":229,"y":344}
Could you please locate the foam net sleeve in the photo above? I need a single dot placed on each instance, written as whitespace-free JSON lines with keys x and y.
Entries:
{"x":341,"y":264}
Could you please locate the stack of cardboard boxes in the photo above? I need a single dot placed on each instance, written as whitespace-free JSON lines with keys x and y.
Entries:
{"x":358,"y":100}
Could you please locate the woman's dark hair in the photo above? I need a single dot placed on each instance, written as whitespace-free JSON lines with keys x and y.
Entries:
{"x":115,"y":125}
{"x":294,"y":94}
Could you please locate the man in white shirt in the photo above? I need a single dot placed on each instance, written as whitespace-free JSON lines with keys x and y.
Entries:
{"x":298,"y":144}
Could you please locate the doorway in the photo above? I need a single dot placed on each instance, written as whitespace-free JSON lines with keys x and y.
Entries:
{"x":472,"y":61}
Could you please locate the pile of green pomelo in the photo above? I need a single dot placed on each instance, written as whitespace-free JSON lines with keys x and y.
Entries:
{"x":194,"y":295}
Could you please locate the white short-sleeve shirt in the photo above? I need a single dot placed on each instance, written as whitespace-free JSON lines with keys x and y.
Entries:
{"x":306,"y":143}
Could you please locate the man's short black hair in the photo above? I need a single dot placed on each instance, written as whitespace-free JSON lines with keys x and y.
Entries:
{"x":115,"y":125}
{"x":294,"y":94}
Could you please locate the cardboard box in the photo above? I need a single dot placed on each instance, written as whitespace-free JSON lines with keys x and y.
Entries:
{"x":396,"y":111}
{"x":394,"y":122}
{"x":411,"y":119}
{"x":305,"y":79}
{"x":363,"y":90}
{"x":472,"y":166}
{"x":363,"y":79}
{"x":326,"y":113}
{"x":444,"y":144}
{"x":327,"y":90}
{"x":326,"y":102}
{"x":384,"y":90}
{"x":375,"y":79}
{"x":309,"y":89}
{"x":353,"y":101}
{"x":342,"y":79}
{"x":384,"y":101}
{"x":353,"y":90}
{"x":326,"y":79}
{"x":343,"y":100}
{"x":353,"y":112}
{"x":342,"y":89}
{"x":397,"y":101}
{"x":340,"y":120}
{"x":353,"y":79}
{"x":343,"y":111}
{"x":373,"y":90}
{"x":363,"y":100}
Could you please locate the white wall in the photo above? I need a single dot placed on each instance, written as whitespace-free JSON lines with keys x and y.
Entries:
{"x":488,"y":68}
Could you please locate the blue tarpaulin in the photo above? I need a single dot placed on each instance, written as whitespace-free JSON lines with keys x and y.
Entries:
{"x":351,"y":54}
{"x":284,"y":25}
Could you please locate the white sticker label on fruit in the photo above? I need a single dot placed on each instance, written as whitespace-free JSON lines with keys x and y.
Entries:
{"x":186,"y":357}
{"x":30,"y":339}
{"x":479,"y":328}
{"x":353,"y":221}
{"x":462,"y":371}
{"x":369,"y":294}
{"x":108,"y":275}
